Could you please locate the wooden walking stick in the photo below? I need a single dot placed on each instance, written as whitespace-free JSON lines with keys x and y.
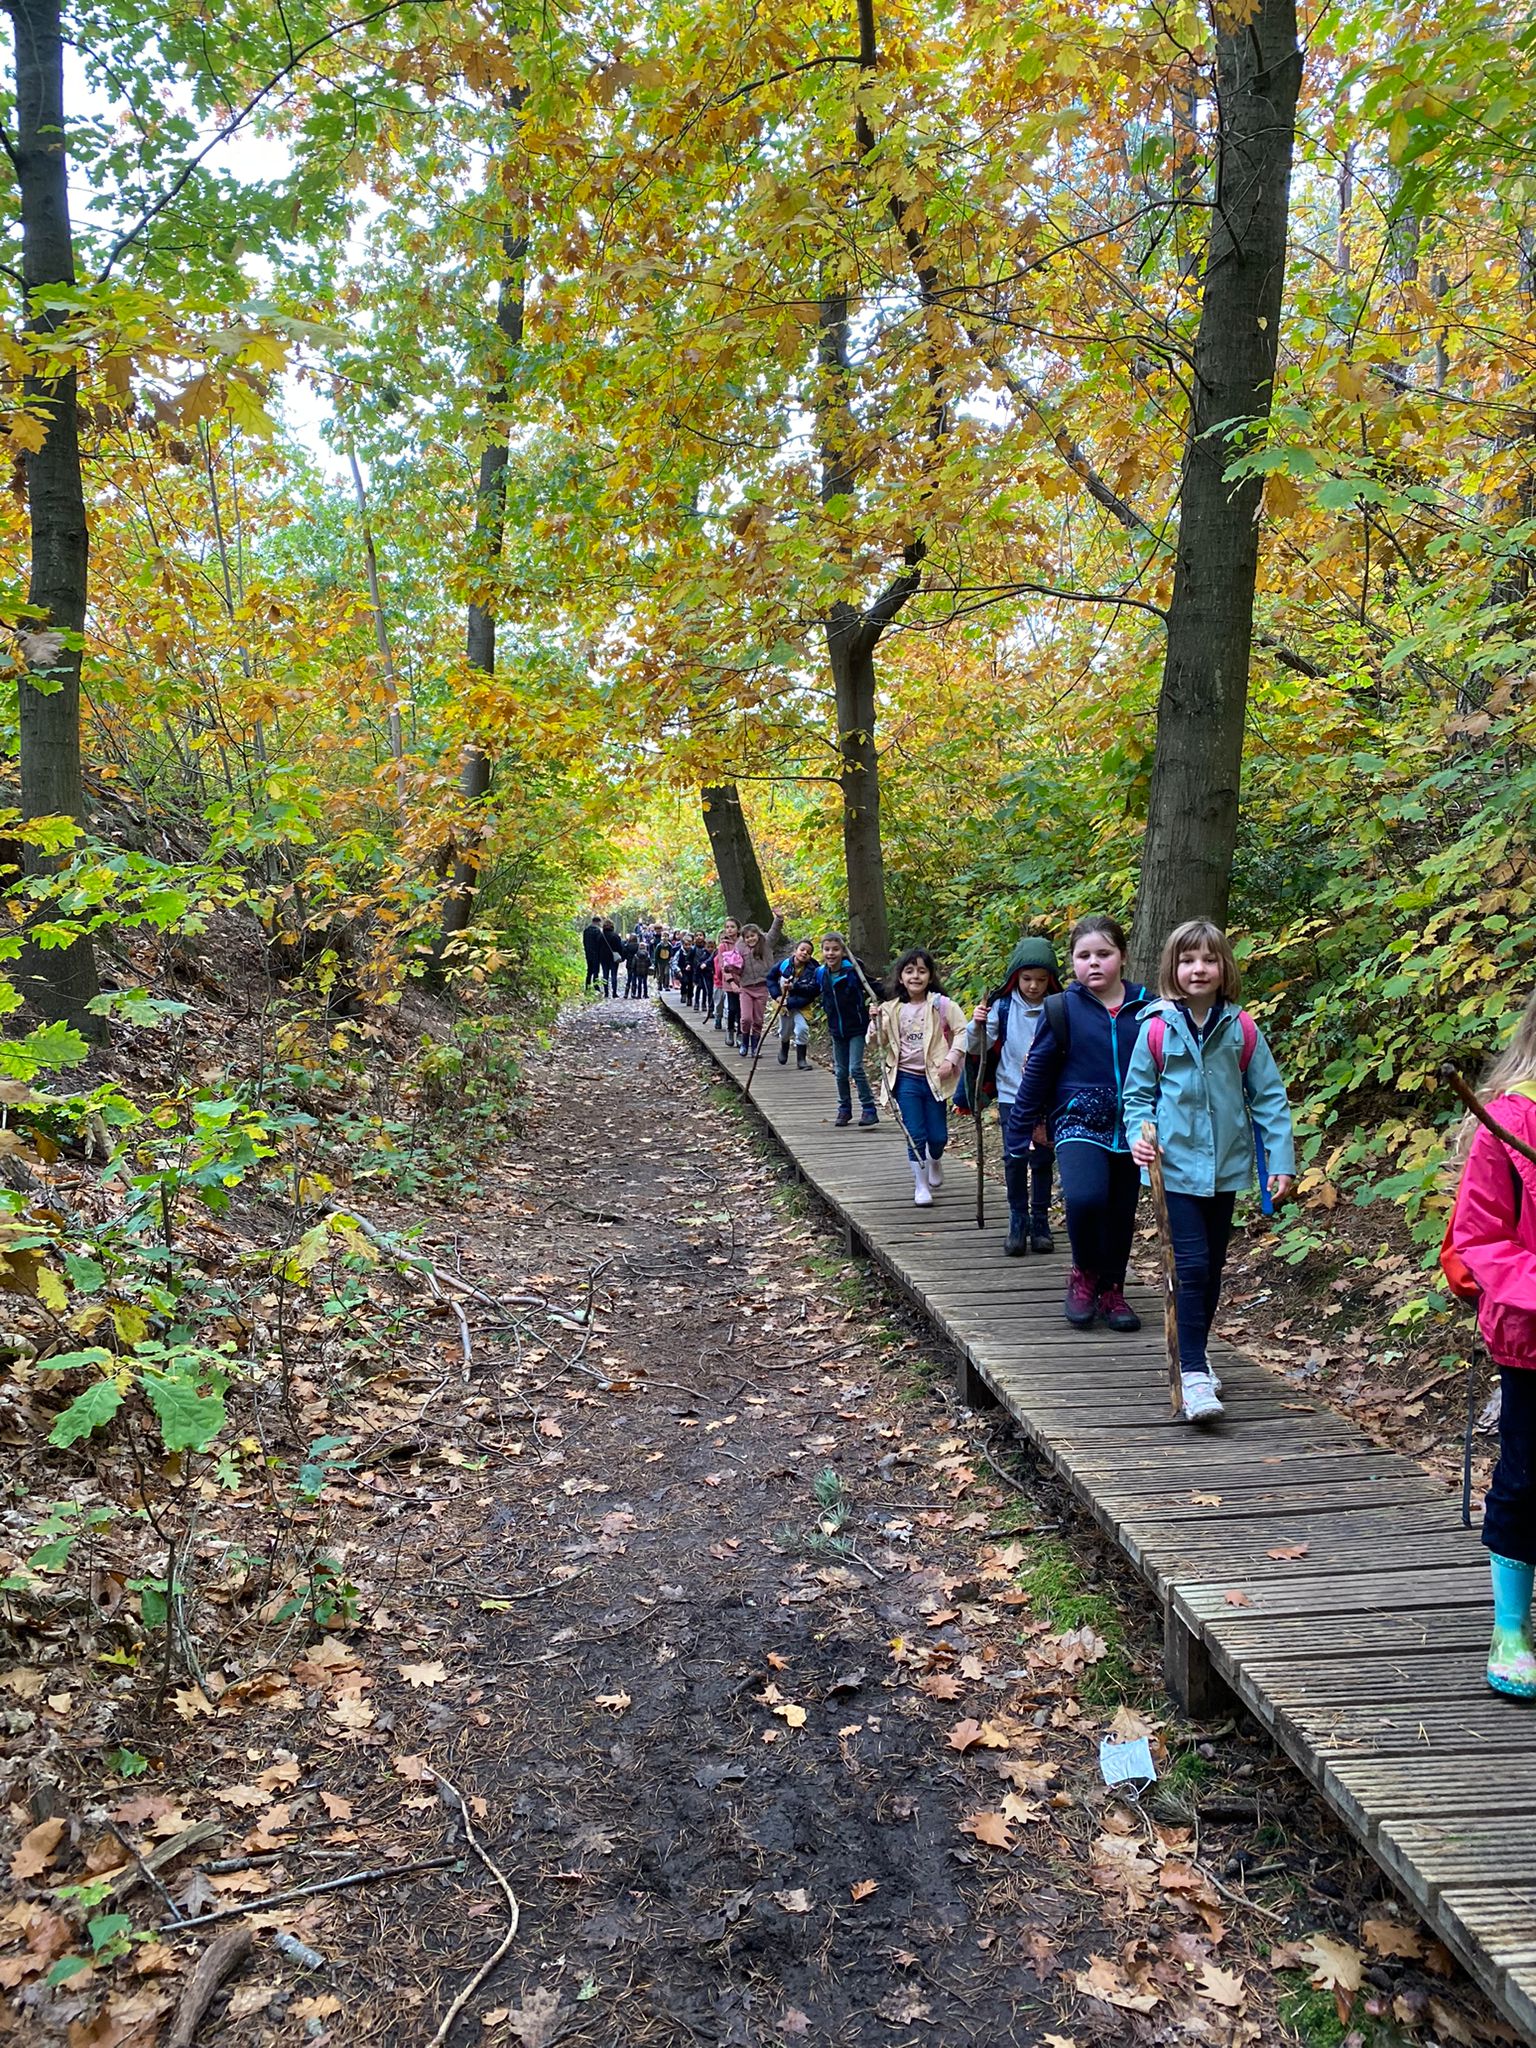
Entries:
{"x":1474,"y":1108}
{"x":768,"y":1025}
{"x":981,"y":1180}
{"x":1170,"y":1270}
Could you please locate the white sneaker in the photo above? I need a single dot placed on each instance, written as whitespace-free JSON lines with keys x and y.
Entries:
{"x":935,"y":1172}
{"x":1200,"y":1399}
{"x":920,"y":1191}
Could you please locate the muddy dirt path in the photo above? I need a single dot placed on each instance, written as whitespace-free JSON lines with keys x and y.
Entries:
{"x":776,"y":1701}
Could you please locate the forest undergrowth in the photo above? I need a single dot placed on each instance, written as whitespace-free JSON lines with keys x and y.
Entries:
{"x":562,"y":1466}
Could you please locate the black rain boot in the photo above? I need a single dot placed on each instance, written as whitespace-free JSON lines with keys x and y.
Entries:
{"x":1016,"y":1174}
{"x":783,"y":1052}
{"x":802,"y":1057}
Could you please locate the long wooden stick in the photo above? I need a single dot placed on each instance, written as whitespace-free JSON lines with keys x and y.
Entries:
{"x":768,"y":1024}
{"x":1469,"y":1101}
{"x":981,"y":1171}
{"x":1170,"y":1268}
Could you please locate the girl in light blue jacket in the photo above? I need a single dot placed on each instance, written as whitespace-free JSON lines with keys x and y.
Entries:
{"x":1204,"y":1074}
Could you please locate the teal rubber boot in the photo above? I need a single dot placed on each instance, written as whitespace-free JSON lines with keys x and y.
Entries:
{"x":1511,"y":1657}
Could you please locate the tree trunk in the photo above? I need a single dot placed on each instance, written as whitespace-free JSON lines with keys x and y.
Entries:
{"x":60,"y":983}
{"x":851,"y":652}
{"x":852,"y":636}
{"x":486,"y":549}
{"x":1186,"y":868}
{"x":730,"y":841}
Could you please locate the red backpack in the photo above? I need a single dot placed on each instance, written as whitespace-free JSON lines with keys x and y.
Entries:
{"x":1157,"y":1033}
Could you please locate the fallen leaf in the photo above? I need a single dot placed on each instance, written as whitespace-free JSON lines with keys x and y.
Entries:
{"x":321,"y":2007}
{"x":1225,"y":1986}
{"x":424,"y":1674}
{"x":1103,"y":1980}
{"x":904,"y":2008}
{"x":991,"y":1828}
{"x":538,"y":2019}
{"x":1129,"y":1726}
{"x":37,"y":1848}
{"x":352,"y":1711}
{"x":191,"y":1702}
{"x":792,"y":1902}
{"x":615,"y":1702}
{"x":865,"y":1888}
{"x":1237,"y":1599}
{"x":1391,"y":1938}
{"x":940,"y":1685}
{"x":336,"y":1807}
{"x":1284,"y":1552}
{"x":250,"y":1797}
{"x":1335,"y":1967}
{"x":1205,"y":1500}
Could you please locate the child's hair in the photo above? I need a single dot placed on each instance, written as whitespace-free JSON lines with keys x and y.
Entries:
{"x":809,"y":944}
{"x":1197,"y":935}
{"x":725,"y":929}
{"x":915,"y":953}
{"x":1109,"y":927}
{"x":836,"y":938}
{"x":752,"y":944}
{"x":1517,"y":1062}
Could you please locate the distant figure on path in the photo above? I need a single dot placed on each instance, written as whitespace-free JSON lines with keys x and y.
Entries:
{"x":595,"y":949}
{"x":614,"y":959}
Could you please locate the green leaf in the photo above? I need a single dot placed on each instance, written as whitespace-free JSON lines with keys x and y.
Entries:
{"x":70,"y":1361}
{"x":87,"y":1413}
{"x":67,"y":1967}
{"x":191,"y":1416}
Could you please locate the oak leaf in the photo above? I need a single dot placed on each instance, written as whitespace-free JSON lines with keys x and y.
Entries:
{"x":865,"y":1888}
{"x":992,"y":1828}
{"x":1283,"y":1553}
{"x":1225,"y":1986}
{"x":1102,"y":1979}
{"x":418,"y":1675}
{"x":38,"y":1847}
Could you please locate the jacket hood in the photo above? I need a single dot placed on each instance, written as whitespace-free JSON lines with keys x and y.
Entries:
{"x":1032,"y":952}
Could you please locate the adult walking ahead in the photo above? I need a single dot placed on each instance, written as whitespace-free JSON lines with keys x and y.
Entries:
{"x":595,"y":950}
{"x":1074,"y":1083}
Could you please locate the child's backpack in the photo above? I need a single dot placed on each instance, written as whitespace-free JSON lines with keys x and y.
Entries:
{"x":642,"y":961}
{"x":1157,"y":1035}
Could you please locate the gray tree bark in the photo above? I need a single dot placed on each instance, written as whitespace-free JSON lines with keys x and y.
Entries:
{"x":730,"y":841}
{"x":1192,"y":817}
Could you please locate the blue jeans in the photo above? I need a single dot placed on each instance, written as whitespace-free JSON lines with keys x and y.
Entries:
{"x":1200,"y":1227}
{"x":1509,"y":1513}
{"x":848,"y":1068}
{"x":926,"y":1118}
{"x":1099,"y":1190}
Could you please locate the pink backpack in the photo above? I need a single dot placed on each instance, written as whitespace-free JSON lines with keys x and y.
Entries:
{"x":1157,"y":1032}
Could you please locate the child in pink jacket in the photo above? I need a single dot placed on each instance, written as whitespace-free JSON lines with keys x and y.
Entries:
{"x":1494,"y":1230}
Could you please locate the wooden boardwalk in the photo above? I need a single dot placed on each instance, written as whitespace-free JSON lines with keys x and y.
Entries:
{"x":1363,"y":1657}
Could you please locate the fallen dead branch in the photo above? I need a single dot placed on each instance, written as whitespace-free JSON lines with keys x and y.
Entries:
{"x":514,"y":1914}
{"x":306,"y":1891}
{"x":220,"y":1961}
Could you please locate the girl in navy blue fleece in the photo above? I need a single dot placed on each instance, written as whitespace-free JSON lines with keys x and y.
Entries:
{"x":1073,"y":1081}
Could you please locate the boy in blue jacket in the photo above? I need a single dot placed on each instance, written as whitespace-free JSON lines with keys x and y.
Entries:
{"x":846,"y":992}
{"x":1203,"y":1073}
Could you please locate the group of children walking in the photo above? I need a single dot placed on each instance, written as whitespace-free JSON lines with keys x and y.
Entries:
{"x":1095,"y":1080}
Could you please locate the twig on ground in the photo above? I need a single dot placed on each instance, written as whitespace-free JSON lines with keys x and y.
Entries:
{"x":305,"y":1891}
{"x":225,"y":1956}
{"x":143,"y":1868}
{"x":514,"y":1914}
{"x":463,"y":1320}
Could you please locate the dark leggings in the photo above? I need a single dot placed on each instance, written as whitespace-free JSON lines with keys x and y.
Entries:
{"x":1100,"y":1190}
{"x":1200,"y":1227}
{"x":1509,"y":1513}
